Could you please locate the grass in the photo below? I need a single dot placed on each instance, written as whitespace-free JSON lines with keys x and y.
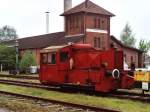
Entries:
{"x":112,"y":103}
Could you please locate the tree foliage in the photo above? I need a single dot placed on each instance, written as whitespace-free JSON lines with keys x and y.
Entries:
{"x":7,"y":33}
{"x":27,"y":60}
{"x":7,"y":57}
{"x":144,"y":45}
{"x":127,"y":37}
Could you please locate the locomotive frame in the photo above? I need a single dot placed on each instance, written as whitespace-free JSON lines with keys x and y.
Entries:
{"x":82,"y":66}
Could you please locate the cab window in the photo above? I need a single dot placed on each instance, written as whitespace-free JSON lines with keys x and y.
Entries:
{"x":63,"y":56}
{"x":51,"y":58}
{"x":44,"y":58}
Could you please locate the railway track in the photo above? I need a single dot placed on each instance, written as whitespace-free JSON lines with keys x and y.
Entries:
{"x":73,"y":106}
{"x":117,"y":94}
{"x":29,"y":84}
{"x":134,"y":97}
{"x":19,"y":76}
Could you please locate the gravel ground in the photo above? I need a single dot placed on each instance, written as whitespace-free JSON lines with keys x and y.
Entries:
{"x":4,"y":110}
{"x":18,"y":104}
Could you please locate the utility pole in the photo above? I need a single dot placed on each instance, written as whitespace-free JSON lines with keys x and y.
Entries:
{"x":17,"y":54}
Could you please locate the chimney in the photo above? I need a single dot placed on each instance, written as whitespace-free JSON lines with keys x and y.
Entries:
{"x":67,"y":5}
{"x":47,"y":22}
{"x":86,"y":3}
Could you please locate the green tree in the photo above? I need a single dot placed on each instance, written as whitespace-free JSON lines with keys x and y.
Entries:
{"x":27,"y":60}
{"x":7,"y":57}
{"x":127,"y":37}
{"x":144,"y":45}
{"x":7,"y":33}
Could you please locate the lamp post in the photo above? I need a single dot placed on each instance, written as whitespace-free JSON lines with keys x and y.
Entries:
{"x":17,"y":54}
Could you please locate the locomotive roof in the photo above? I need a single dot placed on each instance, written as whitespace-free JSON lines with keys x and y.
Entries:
{"x":74,"y":46}
{"x":52,"y":48}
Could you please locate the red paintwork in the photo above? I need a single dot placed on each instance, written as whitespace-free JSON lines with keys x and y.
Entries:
{"x":88,"y":68}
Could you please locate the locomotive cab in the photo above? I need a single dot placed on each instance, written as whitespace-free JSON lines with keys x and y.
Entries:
{"x":54,"y":63}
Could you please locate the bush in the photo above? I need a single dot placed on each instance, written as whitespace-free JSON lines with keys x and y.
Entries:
{"x":27,"y":60}
{"x":7,"y":57}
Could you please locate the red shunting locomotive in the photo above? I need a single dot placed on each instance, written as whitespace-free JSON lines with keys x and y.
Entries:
{"x":82,"y":66}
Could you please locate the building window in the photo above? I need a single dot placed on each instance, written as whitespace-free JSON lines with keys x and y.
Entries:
{"x":99,"y":42}
{"x":102,"y":41}
{"x":70,"y":23}
{"x":95,"y":41}
{"x":103,"y":23}
{"x":99,"y":23}
{"x":95,"y":23}
{"x":77,"y":21}
{"x":73,"y":22}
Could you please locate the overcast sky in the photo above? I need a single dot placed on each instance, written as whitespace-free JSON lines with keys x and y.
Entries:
{"x":28,"y":16}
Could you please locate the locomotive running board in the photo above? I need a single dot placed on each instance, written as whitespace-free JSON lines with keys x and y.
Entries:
{"x":75,"y":87}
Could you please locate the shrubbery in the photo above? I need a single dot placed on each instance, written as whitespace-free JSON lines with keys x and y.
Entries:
{"x":7,"y":57}
{"x":27,"y":60}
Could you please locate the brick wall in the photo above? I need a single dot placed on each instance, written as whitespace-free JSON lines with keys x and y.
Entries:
{"x":130,"y":55}
{"x":99,"y":27}
{"x":92,"y":25}
{"x":74,"y":24}
{"x":35,"y":52}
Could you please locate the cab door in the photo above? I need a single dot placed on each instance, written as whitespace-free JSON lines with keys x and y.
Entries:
{"x":63,"y":60}
{"x":49,"y":67}
{"x":64,"y":65}
{"x":52,"y":67}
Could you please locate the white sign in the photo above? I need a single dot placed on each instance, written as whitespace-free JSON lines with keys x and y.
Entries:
{"x":145,"y":86}
{"x":97,"y":31}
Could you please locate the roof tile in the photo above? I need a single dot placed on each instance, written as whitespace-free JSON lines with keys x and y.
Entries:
{"x":42,"y":41}
{"x":89,"y":7}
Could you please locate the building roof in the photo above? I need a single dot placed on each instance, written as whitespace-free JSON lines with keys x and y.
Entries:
{"x":55,"y":39}
{"x":88,"y":7}
{"x":42,"y":41}
{"x":124,"y":46}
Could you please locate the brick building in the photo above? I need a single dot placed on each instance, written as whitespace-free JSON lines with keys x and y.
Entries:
{"x":90,"y":20}
{"x":130,"y":54}
{"x":86,"y":23}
